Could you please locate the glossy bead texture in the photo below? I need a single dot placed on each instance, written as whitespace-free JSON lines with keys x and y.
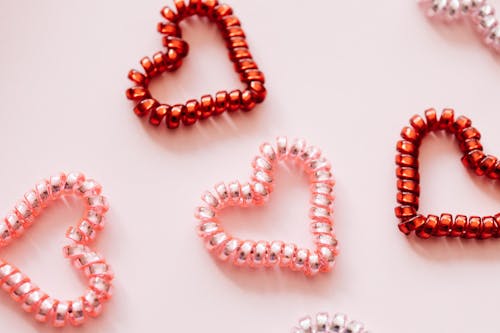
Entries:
{"x":92,"y":265}
{"x":482,"y":164}
{"x":326,"y":323}
{"x":255,"y":192}
{"x":479,"y":13}
{"x":176,"y":49}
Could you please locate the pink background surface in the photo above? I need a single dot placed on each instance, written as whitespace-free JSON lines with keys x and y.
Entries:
{"x":346,"y":76}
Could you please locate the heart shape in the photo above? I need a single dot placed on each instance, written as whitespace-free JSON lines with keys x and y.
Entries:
{"x":83,"y":258}
{"x":171,"y":60}
{"x":322,"y":322}
{"x":256,"y":192}
{"x":474,"y":158}
{"x":480,"y":13}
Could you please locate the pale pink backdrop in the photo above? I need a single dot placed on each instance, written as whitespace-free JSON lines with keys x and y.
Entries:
{"x":345,"y":75}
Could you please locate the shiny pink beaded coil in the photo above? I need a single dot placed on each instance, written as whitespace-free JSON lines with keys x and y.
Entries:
{"x":256,"y":192}
{"x":22,"y":290}
{"x":480,"y":13}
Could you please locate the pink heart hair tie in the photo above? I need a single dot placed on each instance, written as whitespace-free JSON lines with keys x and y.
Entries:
{"x":22,"y":290}
{"x":255,"y":192}
{"x":324,"y":323}
{"x":480,"y":13}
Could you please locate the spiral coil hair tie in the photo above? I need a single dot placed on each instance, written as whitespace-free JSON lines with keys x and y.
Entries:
{"x":468,"y":139}
{"x":256,"y":192}
{"x":324,"y":323}
{"x":480,"y":13}
{"x":93,"y":266}
{"x":171,"y":59}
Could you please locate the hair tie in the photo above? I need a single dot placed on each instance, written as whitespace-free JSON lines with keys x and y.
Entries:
{"x":468,"y":138}
{"x":322,"y":322}
{"x":256,"y":192}
{"x":94,"y":267}
{"x":479,"y":13}
{"x":171,"y":59}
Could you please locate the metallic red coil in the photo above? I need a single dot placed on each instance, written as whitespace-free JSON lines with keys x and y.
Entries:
{"x":171,"y":59}
{"x":408,"y":186}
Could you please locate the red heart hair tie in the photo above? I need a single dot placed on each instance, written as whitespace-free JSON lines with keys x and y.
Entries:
{"x":171,"y":59}
{"x":324,"y":323}
{"x":407,"y":173}
{"x":94,"y":267}
{"x":256,"y":192}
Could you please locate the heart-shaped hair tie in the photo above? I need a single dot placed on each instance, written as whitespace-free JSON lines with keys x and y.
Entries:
{"x":323,"y":322}
{"x":256,"y":192}
{"x":32,"y":299}
{"x":480,"y":13}
{"x":474,"y":158}
{"x":171,"y":59}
